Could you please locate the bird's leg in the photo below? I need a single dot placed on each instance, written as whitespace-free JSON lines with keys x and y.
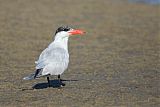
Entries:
{"x":60,"y":80}
{"x":48,"y":81}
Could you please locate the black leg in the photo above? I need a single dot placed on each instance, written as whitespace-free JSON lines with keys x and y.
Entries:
{"x":48,"y":81}
{"x":60,"y":81}
{"x":59,"y":78}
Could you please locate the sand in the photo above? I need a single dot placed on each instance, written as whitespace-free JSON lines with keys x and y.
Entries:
{"x":115,"y":64}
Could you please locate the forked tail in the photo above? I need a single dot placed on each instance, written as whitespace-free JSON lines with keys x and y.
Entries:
{"x":34,"y":75}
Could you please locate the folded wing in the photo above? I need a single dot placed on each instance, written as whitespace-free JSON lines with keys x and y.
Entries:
{"x":52,"y":55}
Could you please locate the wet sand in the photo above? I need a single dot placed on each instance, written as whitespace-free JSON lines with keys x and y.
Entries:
{"x":116,"y":63}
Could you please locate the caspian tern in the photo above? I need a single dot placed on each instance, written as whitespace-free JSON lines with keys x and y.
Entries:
{"x":55,"y":58}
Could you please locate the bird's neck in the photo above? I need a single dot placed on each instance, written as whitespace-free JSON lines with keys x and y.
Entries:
{"x":61,"y":43}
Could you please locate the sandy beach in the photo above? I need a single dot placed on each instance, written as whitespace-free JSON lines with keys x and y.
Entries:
{"x":115,"y":64}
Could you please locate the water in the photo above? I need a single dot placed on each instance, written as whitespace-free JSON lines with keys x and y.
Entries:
{"x":153,"y":2}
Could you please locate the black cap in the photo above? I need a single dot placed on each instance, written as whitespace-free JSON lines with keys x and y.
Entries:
{"x":63,"y":28}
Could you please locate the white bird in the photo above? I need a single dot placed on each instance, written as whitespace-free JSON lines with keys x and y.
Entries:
{"x":54,"y":59}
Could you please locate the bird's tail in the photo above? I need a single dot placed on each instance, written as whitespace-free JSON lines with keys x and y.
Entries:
{"x":34,"y":75}
{"x":29,"y":77}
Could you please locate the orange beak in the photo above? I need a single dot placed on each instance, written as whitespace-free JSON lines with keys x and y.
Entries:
{"x":76,"y":32}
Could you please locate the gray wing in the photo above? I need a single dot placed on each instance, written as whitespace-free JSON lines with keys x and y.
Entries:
{"x":51,"y":55}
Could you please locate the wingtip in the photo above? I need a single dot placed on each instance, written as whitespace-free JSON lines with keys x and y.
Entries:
{"x":30,"y":77}
{"x":26,"y":78}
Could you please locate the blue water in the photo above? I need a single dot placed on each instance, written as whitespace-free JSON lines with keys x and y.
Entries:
{"x":153,"y":2}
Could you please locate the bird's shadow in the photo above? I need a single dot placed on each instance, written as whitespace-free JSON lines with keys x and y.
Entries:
{"x":53,"y":84}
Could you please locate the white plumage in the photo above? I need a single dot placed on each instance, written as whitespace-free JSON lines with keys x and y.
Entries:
{"x":55,"y":58}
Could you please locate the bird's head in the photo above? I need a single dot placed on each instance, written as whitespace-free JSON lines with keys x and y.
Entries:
{"x":66,"y":31}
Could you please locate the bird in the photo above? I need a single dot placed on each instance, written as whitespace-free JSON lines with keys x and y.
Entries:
{"x":54,"y":60}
